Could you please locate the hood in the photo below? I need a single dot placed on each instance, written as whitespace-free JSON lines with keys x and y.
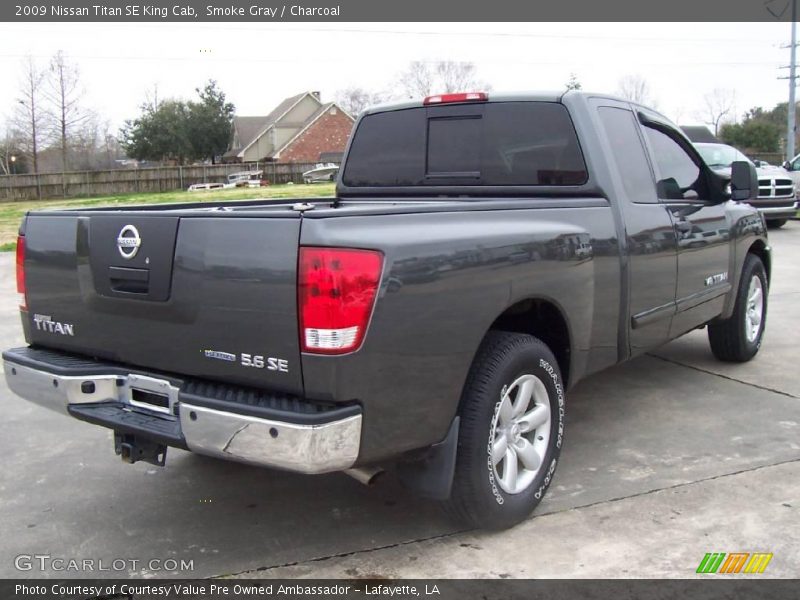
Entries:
{"x":762,"y":172}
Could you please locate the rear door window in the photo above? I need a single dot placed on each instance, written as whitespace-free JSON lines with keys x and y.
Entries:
{"x":497,"y":143}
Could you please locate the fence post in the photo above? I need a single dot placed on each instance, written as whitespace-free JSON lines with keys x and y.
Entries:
{"x":180,"y":175}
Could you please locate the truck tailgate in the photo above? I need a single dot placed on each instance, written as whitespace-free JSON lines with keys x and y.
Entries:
{"x":201,"y":293}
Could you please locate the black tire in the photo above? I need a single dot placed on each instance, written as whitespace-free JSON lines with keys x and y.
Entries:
{"x":728,"y":338}
{"x":477,"y":498}
{"x":776,"y":223}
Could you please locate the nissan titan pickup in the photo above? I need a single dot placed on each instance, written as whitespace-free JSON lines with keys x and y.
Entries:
{"x":482,"y":255}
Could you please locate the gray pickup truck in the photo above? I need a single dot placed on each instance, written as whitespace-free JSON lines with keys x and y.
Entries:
{"x":777,"y":199}
{"x":482,"y":255}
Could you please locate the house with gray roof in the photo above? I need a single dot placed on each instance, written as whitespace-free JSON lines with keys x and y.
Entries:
{"x":302,"y":128}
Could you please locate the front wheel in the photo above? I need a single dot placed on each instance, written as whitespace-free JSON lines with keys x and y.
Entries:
{"x":512,"y":427}
{"x":738,"y":338}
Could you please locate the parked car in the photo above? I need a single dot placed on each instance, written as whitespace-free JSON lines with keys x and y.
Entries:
{"x":776,"y":200}
{"x":482,"y":256}
{"x":793,"y":167}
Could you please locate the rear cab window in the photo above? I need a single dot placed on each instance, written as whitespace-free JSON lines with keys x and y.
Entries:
{"x":529,"y":143}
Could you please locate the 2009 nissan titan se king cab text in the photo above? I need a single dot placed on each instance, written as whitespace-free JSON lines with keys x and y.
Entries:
{"x":483,"y":254}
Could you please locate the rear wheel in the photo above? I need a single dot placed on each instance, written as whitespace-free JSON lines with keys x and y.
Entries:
{"x":776,"y":223}
{"x":512,"y":426}
{"x":738,"y":338}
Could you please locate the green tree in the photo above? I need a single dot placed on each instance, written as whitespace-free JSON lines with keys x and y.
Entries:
{"x":181,"y":131}
{"x":754,"y":135}
{"x":160,"y":133}
{"x":209,"y":122}
{"x":760,"y":130}
{"x":573,"y":83}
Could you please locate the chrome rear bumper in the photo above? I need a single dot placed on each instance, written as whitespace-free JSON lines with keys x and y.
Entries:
{"x":302,"y":447}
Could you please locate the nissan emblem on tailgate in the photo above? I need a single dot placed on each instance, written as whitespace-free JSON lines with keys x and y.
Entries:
{"x":128,"y":242}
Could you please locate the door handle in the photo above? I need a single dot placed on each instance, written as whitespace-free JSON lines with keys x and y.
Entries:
{"x":683,"y":229}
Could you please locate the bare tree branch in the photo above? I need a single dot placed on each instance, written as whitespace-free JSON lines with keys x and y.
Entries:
{"x":456,"y":76}
{"x":64,"y":96}
{"x":417,"y":80}
{"x":29,"y":118}
{"x":636,"y":89}
{"x":719,"y":107}
{"x":423,"y":79}
{"x":356,"y":99}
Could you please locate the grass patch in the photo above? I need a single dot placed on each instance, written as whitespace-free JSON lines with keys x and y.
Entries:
{"x":11,"y":213}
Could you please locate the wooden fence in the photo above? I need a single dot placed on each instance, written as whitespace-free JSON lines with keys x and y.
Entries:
{"x":82,"y":184}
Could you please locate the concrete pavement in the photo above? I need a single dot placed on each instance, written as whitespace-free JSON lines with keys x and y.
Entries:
{"x":667,"y":457}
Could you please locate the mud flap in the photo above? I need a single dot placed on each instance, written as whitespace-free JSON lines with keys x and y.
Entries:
{"x":432,"y":475}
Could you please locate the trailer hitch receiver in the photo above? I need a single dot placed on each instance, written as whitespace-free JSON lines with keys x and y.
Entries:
{"x":135,"y":448}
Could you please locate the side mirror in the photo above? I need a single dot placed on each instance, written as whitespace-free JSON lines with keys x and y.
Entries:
{"x":744,"y":181}
{"x":787,"y":165}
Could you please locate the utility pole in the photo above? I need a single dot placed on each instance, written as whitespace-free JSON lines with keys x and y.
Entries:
{"x":792,"y":107}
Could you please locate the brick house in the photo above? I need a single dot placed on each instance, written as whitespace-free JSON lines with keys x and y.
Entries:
{"x":300,"y":129}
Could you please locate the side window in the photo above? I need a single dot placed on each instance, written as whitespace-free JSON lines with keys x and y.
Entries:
{"x":677,"y":172}
{"x":629,"y":154}
{"x":796,"y":164}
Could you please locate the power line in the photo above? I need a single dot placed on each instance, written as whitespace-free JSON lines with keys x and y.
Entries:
{"x":338,"y":60}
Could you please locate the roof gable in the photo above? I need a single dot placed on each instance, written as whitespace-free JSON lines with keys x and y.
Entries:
{"x":310,"y":121}
{"x":277,"y":114}
{"x":247,"y":128}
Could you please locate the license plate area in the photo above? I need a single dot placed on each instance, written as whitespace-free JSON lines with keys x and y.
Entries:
{"x":157,"y":395}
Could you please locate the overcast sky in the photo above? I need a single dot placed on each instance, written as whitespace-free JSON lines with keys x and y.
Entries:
{"x":257,"y":65}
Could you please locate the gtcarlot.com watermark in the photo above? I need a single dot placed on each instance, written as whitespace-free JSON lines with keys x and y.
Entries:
{"x":47,"y":562}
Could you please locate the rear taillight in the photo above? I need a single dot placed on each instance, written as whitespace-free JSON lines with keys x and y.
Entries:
{"x":336,"y":292}
{"x":21,"y":271}
{"x":460,"y":97}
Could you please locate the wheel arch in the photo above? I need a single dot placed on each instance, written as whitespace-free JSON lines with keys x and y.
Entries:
{"x":544,"y":319}
{"x":761,"y":250}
